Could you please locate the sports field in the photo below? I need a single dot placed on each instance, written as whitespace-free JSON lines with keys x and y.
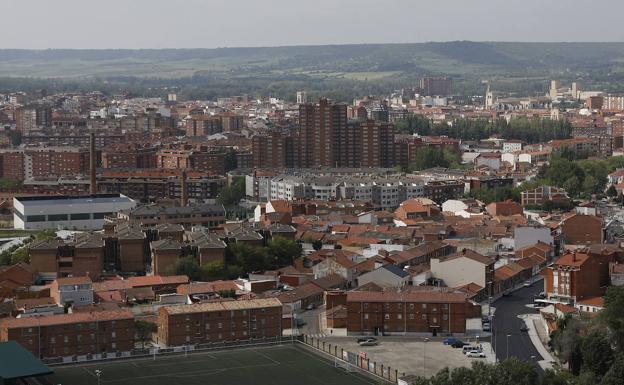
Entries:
{"x":275,"y":365}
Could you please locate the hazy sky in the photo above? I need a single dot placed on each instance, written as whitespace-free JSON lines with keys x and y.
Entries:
{"x":230,"y":23}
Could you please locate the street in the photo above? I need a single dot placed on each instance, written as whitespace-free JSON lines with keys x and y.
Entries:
{"x":506,"y":323}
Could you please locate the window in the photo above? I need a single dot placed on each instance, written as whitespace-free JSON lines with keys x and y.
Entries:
{"x":399,"y":316}
{"x":52,"y":340}
{"x":207,"y":326}
{"x":80,"y":217}
{"x":66,"y":339}
{"x":113,"y":335}
{"x":188,"y":339}
{"x":386,"y":316}
{"x":35,"y":218}
{"x":219,"y":325}
{"x":114,"y":345}
{"x":424,"y":306}
{"x":365,"y":315}
{"x":445,"y":317}
{"x":411,"y":316}
{"x":57,"y":217}
{"x":365,"y":305}
{"x":435,"y":320}
{"x":423,"y":316}
{"x":100,"y":215}
{"x":411,"y":306}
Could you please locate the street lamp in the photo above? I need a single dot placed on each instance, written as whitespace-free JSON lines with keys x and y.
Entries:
{"x":489,"y":299}
{"x":425,"y":355}
{"x":508,"y":335}
{"x":98,"y":374}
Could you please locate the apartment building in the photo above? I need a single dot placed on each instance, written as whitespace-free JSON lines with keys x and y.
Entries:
{"x":408,"y":311}
{"x":573,"y":277}
{"x":219,"y":321}
{"x":75,"y":334}
{"x":319,"y":134}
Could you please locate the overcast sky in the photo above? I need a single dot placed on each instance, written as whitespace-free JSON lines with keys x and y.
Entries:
{"x":231,"y":23}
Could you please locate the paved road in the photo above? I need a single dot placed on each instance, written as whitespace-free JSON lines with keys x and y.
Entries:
{"x":311,"y":318}
{"x":506,"y":322}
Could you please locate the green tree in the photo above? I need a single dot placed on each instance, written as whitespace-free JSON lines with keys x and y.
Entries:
{"x":231,"y":195}
{"x":231,"y":163}
{"x":611,"y":191}
{"x":212,"y":271}
{"x":597,"y":353}
{"x":20,"y":255}
{"x":613,"y":314}
{"x":247,"y":257}
{"x":615,"y":374}
{"x":143,"y":331}
{"x":282,"y":252}
{"x":317,"y":245}
{"x":188,"y":266}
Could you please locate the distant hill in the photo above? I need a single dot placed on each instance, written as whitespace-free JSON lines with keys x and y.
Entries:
{"x":352,"y":69}
{"x":458,"y":57}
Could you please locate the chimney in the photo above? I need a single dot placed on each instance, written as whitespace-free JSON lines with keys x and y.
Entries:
{"x":92,"y":160}
{"x":183,"y":198}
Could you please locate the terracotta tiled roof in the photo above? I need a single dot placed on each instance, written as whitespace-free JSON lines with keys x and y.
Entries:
{"x":63,"y":319}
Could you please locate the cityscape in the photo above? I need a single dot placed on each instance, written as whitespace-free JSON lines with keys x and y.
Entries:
{"x":210,"y":205}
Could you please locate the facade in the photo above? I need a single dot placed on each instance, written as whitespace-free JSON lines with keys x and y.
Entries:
{"x":436,"y":86}
{"x":219,"y":321}
{"x":207,"y":215}
{"x":67,"y":212}
{"x":321,"y":127}
{"x":579,"y":229}
{"x":76,"y":334}
{"x":83,"y":256}
{"x":75,"y":290}
{"x":386,"y":276}
{"x":543,"y":194}
{"x":574,"y":277}
{"x":426,"y":310}
{"x":463,"y":268}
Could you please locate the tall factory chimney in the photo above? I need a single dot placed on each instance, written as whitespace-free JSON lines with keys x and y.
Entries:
{"x":92,"y":161}
{"x":184,"y":197}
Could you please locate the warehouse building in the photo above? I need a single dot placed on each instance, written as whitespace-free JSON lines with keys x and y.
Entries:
{"x":67,"y":212}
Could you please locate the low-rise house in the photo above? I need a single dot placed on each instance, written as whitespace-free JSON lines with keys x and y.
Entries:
{"x":386,"y":276}
{"x":582,"y":229}
{"x":616,"y":274}
{"x":421,"y":254}
{"x":542,"y":194}
{"x":302,"y":296}
{"x":462,"y":268}
{"x":506,"y":208}
{"x":541,"y":249}
{"x":76,"y":291}
{"x":591,"y":305}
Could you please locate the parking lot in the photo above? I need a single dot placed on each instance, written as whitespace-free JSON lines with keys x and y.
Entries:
{"x":410,"y":355}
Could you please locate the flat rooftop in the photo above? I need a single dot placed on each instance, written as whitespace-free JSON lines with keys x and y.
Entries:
{"x":72,"y":199}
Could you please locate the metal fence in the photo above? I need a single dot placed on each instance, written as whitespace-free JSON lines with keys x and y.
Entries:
{"x":178,"y":350}
{"x":353,"y":360}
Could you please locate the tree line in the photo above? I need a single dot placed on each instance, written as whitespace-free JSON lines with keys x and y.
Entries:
{"x":241,"y":259}
{"x":529,"y":130}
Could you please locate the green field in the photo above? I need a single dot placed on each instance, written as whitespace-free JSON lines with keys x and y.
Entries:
{"x":279,"y":365}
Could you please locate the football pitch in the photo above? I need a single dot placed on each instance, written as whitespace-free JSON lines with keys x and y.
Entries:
{"x":277,"y":365}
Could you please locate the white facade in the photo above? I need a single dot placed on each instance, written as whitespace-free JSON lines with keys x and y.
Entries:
{"x":66,"y":212}
{"x":512,"y":146}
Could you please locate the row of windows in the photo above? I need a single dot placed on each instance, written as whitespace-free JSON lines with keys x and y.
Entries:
{"x":411,"y":317}
{"x":62,"y":217}
{"x":412,"y":306}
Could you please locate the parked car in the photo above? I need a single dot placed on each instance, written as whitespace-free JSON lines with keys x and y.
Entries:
{"x":527,"y":284}
{"x":469,"y":348}
{"x":364,"y":339}
{"x":507,"y":294}
{"x":369,"y":342}
{"x":524,"y":328}
{"x":450,"y":341}
{"x":310,"y":307}
{"x":487,"y":327}
{"x":459,"y":344}
{"x":475,"y":354}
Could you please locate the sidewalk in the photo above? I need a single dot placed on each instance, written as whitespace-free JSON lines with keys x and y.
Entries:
{"x":547,"y":359}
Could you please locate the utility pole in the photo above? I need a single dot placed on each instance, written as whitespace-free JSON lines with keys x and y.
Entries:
{"x":98,"y":374}
{"x":425,"y":356}
{"x":508,"y":335}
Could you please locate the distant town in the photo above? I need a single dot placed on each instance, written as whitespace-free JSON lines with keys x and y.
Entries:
{"x":398,"y":234}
